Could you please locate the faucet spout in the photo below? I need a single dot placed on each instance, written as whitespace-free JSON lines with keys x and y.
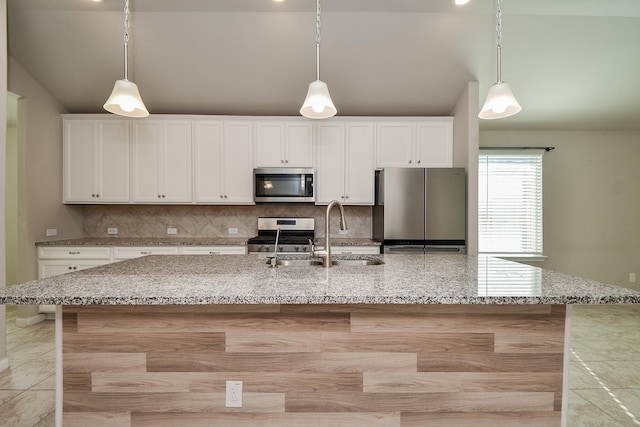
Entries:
{"x":326,"y":253}
{"x":274,"y":260}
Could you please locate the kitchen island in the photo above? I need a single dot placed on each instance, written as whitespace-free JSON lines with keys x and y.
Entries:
{"x":420,"y":340}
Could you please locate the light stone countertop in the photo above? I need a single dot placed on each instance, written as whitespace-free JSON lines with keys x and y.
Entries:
{"x":246,"y":279}
{"x":187,"y":241}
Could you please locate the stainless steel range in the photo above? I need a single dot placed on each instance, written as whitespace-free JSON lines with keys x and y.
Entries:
{"x":293,"y":238}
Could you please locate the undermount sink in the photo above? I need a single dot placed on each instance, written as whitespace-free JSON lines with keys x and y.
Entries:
{"x":354,"y":261}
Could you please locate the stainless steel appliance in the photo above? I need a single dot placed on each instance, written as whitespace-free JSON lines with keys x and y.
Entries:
{"x":283,"y":185}
{"x":293,"y":237}
{"x":421,"y":210}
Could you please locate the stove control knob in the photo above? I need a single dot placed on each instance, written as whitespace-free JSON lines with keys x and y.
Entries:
{"x":297,"y":248}
{"x":264,"y":248}
{"x":280,"y":248}
{"x":304,"y":249}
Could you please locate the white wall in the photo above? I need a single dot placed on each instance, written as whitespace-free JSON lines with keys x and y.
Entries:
{"x":591,"y":185}
{"x":465,"y":154}
{"x":3,"y":125}
{"x":40,"y":173}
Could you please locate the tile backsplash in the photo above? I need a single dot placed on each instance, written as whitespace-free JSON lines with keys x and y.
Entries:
{"x":213,"y":221}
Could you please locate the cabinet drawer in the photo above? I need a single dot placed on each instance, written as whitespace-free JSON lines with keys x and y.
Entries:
{"x":49,"y":268}
{"x":355,"y":250}
{"x":213,"y":250}
{"x":127,"y":252}
{"x":74,"y":252}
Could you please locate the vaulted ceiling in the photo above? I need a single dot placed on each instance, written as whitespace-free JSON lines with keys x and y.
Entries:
{"x":572,"y":64}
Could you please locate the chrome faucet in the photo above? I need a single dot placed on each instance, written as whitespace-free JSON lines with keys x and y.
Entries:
{"x":326,"y":253}
{"x":274,"y":260}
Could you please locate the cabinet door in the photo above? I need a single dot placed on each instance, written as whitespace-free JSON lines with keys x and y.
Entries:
{"x":299,"y":145}
{"x":359,"y":164}
{"x":329,"y":176}
{"x":146,"y":153}
{"x":56,"y":267}
{"x":207,"y":161}
{"x":434,"y":146}
{"x":237,"y":160}
{"x":269,"y":144}
{"x":176,"y":162}
{"x":112,"y":161}
{"x":396,"y":142}
{"x":78,"y":163}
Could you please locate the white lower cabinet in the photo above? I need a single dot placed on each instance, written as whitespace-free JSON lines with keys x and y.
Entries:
{"x":214,"y":250}
{"x":57,"y":260}
{"x":128,"y":252}
{"x":355,"y":250}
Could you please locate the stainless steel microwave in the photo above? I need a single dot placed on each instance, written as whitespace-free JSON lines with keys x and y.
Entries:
{"x":283,"y":185}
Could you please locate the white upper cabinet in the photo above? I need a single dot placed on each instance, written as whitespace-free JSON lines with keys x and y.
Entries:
{"x":283,"y":143}
{"x":161,"y":157}
{"x":223,"y":171}
{"x":345,"y":153}
{"x":415,"y":143}
{"x":96,"y":161}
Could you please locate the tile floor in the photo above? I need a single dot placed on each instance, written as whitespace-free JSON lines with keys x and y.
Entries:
{"x":604,"y":376}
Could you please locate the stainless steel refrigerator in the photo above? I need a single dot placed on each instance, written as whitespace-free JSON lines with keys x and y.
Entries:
{"x":421,"y":210}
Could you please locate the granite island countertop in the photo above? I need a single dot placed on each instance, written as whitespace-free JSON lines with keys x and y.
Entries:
{"x":246,"y":279}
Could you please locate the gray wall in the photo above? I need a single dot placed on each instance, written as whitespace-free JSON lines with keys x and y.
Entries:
{"x":591,"y":200}
{"x":39,"y":134}
{"x":3,"y":125}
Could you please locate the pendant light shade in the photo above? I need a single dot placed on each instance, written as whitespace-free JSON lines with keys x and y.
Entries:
{"x":125,"y":99}
{"x":318,"y":103}
{"x":500,"y":102}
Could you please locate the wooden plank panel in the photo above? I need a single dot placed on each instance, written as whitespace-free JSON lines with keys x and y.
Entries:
{"x":278,"y":382}
{"x":534,"y":342}
{"x":490,"y":362}
{"x":131,"y":382}
{"x":104,"y":362}
{"x":273,"y":342}
{"x":175,"y":309}
{"x":374,"y":419}
{"x":506,"y":401}
{"x":158,"y":322}
{"x":456,"y":323}
{"x":76,"y":381}
{"x":170,"y":402}
{"x":404,"y":342}
{"x":97,"y":419}
{"x":276,"y":362}
{"x":139,"y":342}
{"x":403,"y":309}
{"x":369,"y":402}
{"x":69,"y":322}
{"x":481,"y":419}
{"x":450,"y":382}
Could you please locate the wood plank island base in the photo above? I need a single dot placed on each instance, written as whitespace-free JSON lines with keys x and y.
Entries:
{"x":323,"y":365}
{"x":437,"y":340}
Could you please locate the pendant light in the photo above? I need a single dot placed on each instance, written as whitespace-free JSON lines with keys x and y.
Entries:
{"x":500,"y":102}
{"x":125,"y":98}
{"x":318,"y":103}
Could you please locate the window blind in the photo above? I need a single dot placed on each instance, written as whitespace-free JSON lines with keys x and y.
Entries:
{"x":510,"y":203}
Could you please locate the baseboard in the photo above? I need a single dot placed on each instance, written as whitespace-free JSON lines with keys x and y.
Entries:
{"x":28,"y":321}
{"x":4,"y":364}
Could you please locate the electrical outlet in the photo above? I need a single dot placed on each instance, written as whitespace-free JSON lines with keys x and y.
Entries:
{"x":234,"y":394}
{"x":112,"y":230}
{"x":632,"y":277}
{"x":172,"y":230}
{"x":233,"y":230}
{"x":52,"y":232}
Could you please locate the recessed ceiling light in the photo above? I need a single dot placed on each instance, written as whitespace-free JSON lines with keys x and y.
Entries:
{"x":460,"y":2}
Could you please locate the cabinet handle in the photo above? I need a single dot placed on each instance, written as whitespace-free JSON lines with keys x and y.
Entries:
{"x":409,"y":161}
{"x":214,"y":253}
{"x":73,"y":268}
{"x":225,"y":196}
{"x":346,"y":197}
{"x":281,"y":161}
{"x":163,"y":196}
{"x":145,"y":252}
{"x":159,"y":196}
{"x":221,"y":196}
{"x":286,"y":161}
{"x":419,"y":161}
{"x":74,"y":252}
{"x":97,"y":195}
{"x":93,"y":195}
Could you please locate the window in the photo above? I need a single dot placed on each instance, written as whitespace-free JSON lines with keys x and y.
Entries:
{"x":510,"y":202}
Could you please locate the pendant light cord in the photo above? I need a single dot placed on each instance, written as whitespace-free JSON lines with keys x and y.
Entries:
{"x":499,"y":41}
{"x":126,"y":39}
{"x":318,"y":37}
